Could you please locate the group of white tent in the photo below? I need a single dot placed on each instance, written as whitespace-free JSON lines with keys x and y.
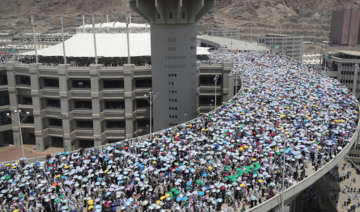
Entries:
{"x":107,"y":44}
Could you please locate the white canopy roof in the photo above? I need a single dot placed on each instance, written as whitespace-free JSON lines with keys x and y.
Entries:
{"x":108,"y":45}
{"x":116,"y":25}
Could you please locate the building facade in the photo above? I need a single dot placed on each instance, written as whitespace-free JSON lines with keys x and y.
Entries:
{"x":173,"y":56}
{"x":291,"y":45}
{"x":345,"y":27}
{"x":99,"y":104}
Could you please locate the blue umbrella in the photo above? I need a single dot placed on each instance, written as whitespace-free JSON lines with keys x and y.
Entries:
{"x":37,"y":163}
{"x":184,"y":198}
{"x":201,"y":193}
{"x":113,"y":208}
{"x":188,"y":183}
{"x":113,"y":204}
{"x":59,"y":153}
{"x":99,"y":179}
{"x":204,"y":174}
{"x":51,"y":161}
{"x":219,"y":200}
{"x":32,"y":193}
{"x":178,"y":199}
{"x":67,"y":152}
{"x":64,"y":177}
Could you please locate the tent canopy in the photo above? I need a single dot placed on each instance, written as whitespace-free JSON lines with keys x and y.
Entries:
{"x":108,"y":45}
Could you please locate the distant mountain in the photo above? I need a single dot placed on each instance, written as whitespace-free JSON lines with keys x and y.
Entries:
{"x":310,"y":18}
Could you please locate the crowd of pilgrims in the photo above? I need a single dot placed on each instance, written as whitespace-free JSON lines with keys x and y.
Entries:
{"x":231,"y":159}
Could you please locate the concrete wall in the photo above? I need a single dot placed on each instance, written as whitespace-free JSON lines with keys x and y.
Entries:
{"x":132,"y":113}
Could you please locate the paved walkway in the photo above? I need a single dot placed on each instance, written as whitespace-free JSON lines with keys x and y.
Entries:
{"x":333,"y":187}
{"x":236,"y":44}
{"x":10,"y":153}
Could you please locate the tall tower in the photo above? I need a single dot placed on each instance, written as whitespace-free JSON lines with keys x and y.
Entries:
{"x":173,"y":56}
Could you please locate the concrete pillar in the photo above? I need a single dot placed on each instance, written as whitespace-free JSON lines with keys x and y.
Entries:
{"x":225,"y":81}
{"x":299,"y":203}
{"x":65,"y":107}
{"x":95,"y":101}
{"x":128,"y":95}
{"x":173,"y":51}
{"x":10,"y":71}
{"x":36,"y":100}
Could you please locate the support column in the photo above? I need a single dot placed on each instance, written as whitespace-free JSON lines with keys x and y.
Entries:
{"x":10,"y":71}
{"x":65,"y":107}
{"x":128,"y":95}
{"x":36,"y":100}
{"x":95,"y":101}
{"x":299,"y":202}
{"x":173,"y":53}
{"x":225,"y":81}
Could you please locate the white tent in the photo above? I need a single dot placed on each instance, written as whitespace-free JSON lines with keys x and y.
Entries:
{"x":108,"y":45}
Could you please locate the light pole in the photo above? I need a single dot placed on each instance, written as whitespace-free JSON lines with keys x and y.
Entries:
{"x":62,"y":117}
{"x":19,"y":124}
{"x":151,"y":97}
{"x":127,"y":17}
{"x":283,"y":178}
{"x":35,"y":152}
{"x":215,"y":80}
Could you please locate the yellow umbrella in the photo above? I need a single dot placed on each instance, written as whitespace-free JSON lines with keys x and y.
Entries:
{"x":246,"y":147}
{"x":8,"y":164}
{"x":66,"y":167}
{"x":167,"y":195}
{"x":90,"y":202}
{"x":260,"y":181}
{"x":162,"y":197}
{"x":157,"y":202}
{"x":241,"y":149}
{"x":16,"y":210}
{"x":57,"y":175}
{"x":254,"y":159}
{"x":210,"y":168}
{"x":106,"y":171}
{"x":154,"y":162}
{"x":90,"y":207}
{"x":17,"y":161}
{"x":14,"y":167}
{"x":320,"y":147}
{"x":242,"y":185}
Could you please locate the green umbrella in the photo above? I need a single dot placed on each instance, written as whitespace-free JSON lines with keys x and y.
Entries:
{"x":58,"y":200}
{"x":226,"y":178}
{"x":234,"y":179}
{"x":176,"y":192}
{"x":22,"y":195}
{"x":188,"y":188}
{"x":61,"y":196}
{"x":173,"y":189}
{"x":7,"y":177}
{"x":202,"y":183}
{"x":198,"y":181}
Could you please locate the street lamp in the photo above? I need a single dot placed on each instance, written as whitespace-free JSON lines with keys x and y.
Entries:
{"x":283,"y":177}
{"x":19,"y":124}
{"x":151,"y":97}
{"x":62,"y":117}
{"x":215,"y":80}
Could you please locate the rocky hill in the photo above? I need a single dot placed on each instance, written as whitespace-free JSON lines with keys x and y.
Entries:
{"x":310,"y":18}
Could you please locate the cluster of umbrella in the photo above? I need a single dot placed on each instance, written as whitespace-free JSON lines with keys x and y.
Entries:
{"x":234,"y":154}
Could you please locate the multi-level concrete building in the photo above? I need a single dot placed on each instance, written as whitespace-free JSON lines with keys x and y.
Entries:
{"x":345,"y":27}
{"x":101,"y":104}
{"x":291,"y":45}
{"x":173,"y":55}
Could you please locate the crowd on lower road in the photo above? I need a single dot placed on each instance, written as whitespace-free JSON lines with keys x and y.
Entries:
{"x":285,"y":119}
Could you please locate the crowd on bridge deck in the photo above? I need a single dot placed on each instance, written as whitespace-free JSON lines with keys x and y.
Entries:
{"x":286,"y":119}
